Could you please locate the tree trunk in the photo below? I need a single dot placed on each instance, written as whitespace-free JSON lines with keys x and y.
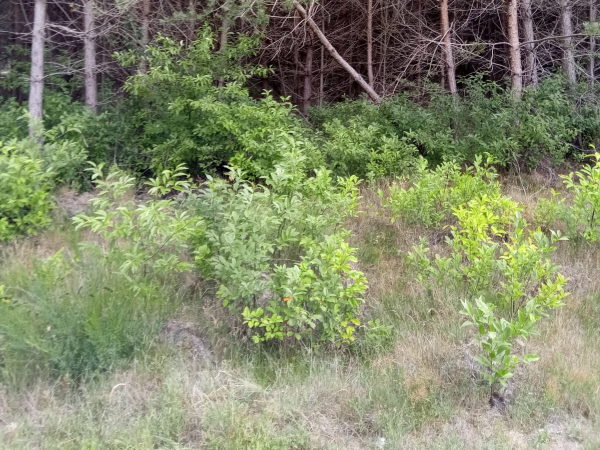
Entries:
{"x":516,"y":68}
{"x":335,"y":55}
{"x":592,"y":67}
{"x":382,"y":70}
{"x":566,"y":16}
{"x":17,"y":30}
{"x":36,"y":85}
{"x":90,"y":66}
{"x":224,"y":35}
{"x":145,"y":40}
{"x":322,"y":64}
{"x":191,"y":36}
{"x":448,"y":53}
{"x":531,"y":67}
{"x":297,"y":98}
{"x":308,"y":80}
{"x":421,"y":19}
{"x":370,"y":75}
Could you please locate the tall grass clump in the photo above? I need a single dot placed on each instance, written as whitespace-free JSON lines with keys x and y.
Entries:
{"x":72,"y":315}
{"x":101,"y":302}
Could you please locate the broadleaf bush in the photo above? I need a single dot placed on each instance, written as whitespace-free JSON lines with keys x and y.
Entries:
{"x":366,"y":150}
{"x":428,"y":196}
{"x":185,"y":117}
{"x":503,"y":270}
{"x":577,"y":213}
{"x":549,"y":124}
{"x":278,"y":255}
{"x":25,"y":201}
{"x":148,"y":237}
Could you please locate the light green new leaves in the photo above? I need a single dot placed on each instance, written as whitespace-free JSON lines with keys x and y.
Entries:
{"x":579,"y":214}
{"x":152,"y":235}
{"x":278,"y":254}
{"x":505,"y":270}
{"x":433,"y":193}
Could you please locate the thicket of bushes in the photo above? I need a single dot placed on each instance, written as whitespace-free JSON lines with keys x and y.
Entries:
{"x":276,"y":254}
{"x":178,"y":111}
{"x":266,"y":227}
{"x":25,"y":201}
{"x":549,"y":124}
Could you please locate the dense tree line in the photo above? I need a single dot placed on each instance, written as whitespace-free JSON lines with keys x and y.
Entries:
{"x":319,"y":51}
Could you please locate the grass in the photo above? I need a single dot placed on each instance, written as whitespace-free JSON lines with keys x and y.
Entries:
{"x":418,"y":388}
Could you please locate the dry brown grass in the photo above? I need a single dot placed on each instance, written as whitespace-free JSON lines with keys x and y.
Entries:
{"x":421,"y":391}
{"x":565,"y":383}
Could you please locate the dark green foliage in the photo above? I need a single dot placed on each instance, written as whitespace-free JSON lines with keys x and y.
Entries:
{"x":72,"y":136}
{"x":182,"y":115}
{"x":399,"y":118}
{"x":13,"y":119}
{"x":25,"y":203}
{"x":193,"y":106}
{"x":546,"y":126}
{"x":364,"y":149}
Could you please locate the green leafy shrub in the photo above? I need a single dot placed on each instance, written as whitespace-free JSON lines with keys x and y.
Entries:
{"x":506,"y":275}
{"x":278,"y":255}
{"x":584,"y":114}
{"x":578,"y":214}
{"x":432,"y":194}
{"x":276,"y":252}
{"x":426,"y":126}
{"x":365,"y":150}
{"x":184,"y":116}
{"x":321,"y":292}
{"x":25,"y":202}
{"x":64,"y":153}
{"x":540,"y":127}
{"x":149,"y":237}
{"x":72,"y":136}
{"x":13,"y":120}
{"x":550,"y":122}
{"x":486,"y":120}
